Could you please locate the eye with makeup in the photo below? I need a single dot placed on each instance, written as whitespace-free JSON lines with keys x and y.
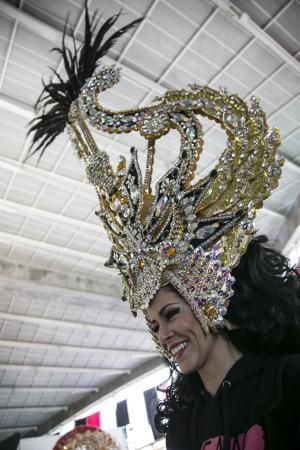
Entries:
{"x":168,"y":315}
{"x":154,"y":327}
{"x":171,"y":312}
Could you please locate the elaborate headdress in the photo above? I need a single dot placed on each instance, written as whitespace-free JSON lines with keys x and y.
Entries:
{"x":84,"y":437}
{"x":186,"y":232}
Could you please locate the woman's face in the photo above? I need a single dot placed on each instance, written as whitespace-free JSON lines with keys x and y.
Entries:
{"x":179,"y":332}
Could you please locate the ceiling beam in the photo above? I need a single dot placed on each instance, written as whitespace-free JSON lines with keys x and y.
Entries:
{"x":64,"y":251}
{"x":130,"y":353}
{"x":248,"y":24}
{"x":56,"y":286}
{"x":92,"y":398}
{"x":40,"y":28}
{"x":269,"y":212}
{"x":16,"y":429}
{"x":55,"y":36}
{"x":84,"y":327}
{"x":26,"y":409}
{"x":242,"y":51}
{"x":49,"y":390}
{"x":184,"y":49}
{"x":189,"y":44}
{"x":231,"y":10}
{"x":16,"y":107}
{"x":9,"y":50}
{"x":49,"y":217}
{"x":289,"y":233}
{"x":138,"y":29}
{"x":61,"y":369}
{"x":44,"y":175}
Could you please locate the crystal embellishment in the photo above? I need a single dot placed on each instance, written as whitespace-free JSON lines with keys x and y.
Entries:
{"x":205,"y":232}
{"x":156,"y":228}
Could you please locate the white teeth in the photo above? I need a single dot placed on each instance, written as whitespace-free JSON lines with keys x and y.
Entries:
{"x":179,"y":347}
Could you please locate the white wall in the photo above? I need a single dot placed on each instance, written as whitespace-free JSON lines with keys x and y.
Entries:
{"x":46,"y":442}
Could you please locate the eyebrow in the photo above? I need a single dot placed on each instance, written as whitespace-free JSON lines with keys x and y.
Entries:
{"x":164,"y":307}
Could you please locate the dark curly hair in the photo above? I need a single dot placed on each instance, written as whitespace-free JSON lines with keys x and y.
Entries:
{"x":265,"y":309}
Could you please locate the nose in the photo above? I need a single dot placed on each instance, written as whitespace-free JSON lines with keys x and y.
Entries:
{"x":165,"y":333}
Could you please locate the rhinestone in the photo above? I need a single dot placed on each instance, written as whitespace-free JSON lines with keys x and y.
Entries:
{"x":191,"y":133}
{"x":192,"y":226}
{"x":207,"y":231}
{"x":171,"y":252}
{"x":222,"y":311}
{"x":126,"y":212}
{"x":210,"y":105}
{"x":109,"y":120}
{"x":134,"y":193}
{"x":161,"y":205}
{"x":127,"y":119}
{"x":232,"y":119}
{"x":186,"y":103}
{"x":179,"y":117}
{"x":218,"y":249}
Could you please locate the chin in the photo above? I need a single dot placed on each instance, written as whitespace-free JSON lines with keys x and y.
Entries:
{"x":186,"y":369}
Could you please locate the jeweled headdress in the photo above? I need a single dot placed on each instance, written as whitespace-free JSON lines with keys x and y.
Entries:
{"x":186,"y":232}
{"x":84,"y":437}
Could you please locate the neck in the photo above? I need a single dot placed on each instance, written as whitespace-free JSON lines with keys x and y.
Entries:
{"x":223,"y":356}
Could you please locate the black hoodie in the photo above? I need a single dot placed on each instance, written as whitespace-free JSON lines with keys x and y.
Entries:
{"x":257,"y":407}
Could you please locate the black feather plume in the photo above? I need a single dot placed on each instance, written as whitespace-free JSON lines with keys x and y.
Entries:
{"x":57,"y":97}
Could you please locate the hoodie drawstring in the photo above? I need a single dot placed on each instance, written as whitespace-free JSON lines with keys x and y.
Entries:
{"x":225,"y":395}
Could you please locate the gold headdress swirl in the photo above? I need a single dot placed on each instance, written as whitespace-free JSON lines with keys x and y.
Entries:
{"x":178,"y":230}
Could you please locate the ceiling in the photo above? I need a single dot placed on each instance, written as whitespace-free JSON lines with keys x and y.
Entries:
{"x":66,"y":339}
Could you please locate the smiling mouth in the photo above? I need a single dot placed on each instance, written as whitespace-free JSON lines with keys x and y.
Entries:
{"x":178,"y":350}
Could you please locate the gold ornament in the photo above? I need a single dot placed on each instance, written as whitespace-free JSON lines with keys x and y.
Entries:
{"x":86,"y":438}
{"x":181,"y":227}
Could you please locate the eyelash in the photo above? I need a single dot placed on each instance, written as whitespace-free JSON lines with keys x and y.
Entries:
{"x":171,"y":313}
{"x":168,"y":315}
{"x":154,"y":329}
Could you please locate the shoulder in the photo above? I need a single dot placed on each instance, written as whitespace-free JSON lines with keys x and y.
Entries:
{"x":290,"y":365}
{"x":286,"y":369}
{"x":281,"y":375}
{"x":279,"y":388}
{"x":289,"y":385}
{"x":284,"y":365}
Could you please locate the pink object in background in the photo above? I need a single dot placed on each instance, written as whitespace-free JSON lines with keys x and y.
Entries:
{"x":94,"y":420}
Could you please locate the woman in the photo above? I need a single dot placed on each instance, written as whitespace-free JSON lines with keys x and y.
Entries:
{"x":190,"y":234}
{"x":238,"y":387}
